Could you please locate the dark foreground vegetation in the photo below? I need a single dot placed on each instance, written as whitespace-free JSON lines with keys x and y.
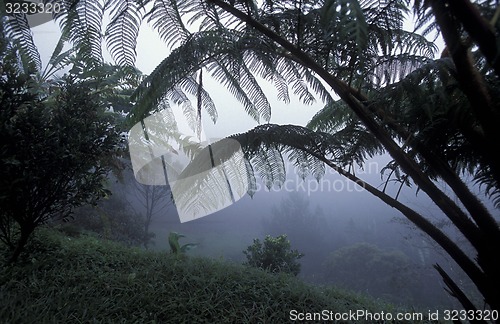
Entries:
{"x":87,"y":280}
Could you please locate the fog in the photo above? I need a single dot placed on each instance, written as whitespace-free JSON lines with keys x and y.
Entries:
{"x":328,"y":221}
{"x":382,"y":255}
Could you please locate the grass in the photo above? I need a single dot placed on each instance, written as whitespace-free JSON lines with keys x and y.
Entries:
{"x":87,"y":280}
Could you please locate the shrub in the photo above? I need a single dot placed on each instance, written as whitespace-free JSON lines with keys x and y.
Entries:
{"x":274,"y":255}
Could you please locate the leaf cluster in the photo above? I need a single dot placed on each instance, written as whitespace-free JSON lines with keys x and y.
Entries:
{"x":175,"y":247}
{"x":53,"y":148}
{"x":274,"y":255}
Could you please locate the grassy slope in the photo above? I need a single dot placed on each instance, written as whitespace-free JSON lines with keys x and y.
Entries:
{"x":69,"y":280}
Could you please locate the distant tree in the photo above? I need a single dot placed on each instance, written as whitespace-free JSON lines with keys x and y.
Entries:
{"x":296,"y":218}
{"x":273,"y":255}
{"x":306,"y":227}
{"x":153,"y":200}
{"x":127,"y":214}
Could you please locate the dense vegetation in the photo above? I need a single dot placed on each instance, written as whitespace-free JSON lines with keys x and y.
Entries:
{"x":75,"y":280}
{"x":437,"y":118}
{"x":55,"y":143}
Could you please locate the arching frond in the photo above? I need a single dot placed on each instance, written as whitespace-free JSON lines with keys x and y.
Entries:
{"x":223,"y":75}
{"x":81,"y":21}
{"x":269,"y":164}
{"x":262,"y":149}
{"x":16,"y":28}
{"x":220,"y":55}
{"x":165,"y":16}
{"x":179,"y":65}
{"x":349,"y":15}
{"x":331,"y":118}
{"x":123,"y":30}
{"x":193,"y":88}
{"x":340,"y":122}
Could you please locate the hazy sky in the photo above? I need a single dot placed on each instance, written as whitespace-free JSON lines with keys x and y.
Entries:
{"x":232,"y":117}
{"x":151,"y":50}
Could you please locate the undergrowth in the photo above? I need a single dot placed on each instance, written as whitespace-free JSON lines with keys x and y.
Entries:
{"x":88,"y":280}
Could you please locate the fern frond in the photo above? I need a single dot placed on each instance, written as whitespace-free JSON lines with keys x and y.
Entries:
{"x":58,"y":59}
{"x":81,"y":21}
{"x":17,"y":29}
{"x":263,"y":148}
{"x":349,"y":15}
{"x":257,"y":96}
{"x":165,"y":17}
{"x":224,"y":76}
{"x":267,"y":166}
{"x":123,"y":30}
{"x":192,"y":87}
{"x":252,"y":183}
{"x":331,"y":118}
{"x":299,"y":158}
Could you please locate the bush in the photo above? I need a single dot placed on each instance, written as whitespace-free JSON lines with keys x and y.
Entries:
{"x":274,"y":255}
{"x":54,"y":148}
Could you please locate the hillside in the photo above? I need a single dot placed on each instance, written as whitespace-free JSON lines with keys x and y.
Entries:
{"x":84,"y":279}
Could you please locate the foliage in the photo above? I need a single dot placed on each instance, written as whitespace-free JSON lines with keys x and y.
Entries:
{"x":54,"y":148}
{"x":359,"y":50}
{"x":175,"y":247}
{"x":366,"y":268}
{"x":273,"y":255}
{"x":111,"y":219}
{"x":68,"y":280}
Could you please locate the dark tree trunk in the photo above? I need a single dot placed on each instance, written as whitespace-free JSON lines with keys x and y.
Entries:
{"x":26,"y":232}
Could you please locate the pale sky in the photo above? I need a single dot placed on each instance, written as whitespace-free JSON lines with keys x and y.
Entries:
{"x":151,"y":50}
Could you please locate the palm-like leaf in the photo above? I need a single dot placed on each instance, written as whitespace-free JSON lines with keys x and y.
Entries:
{"x":123,"y":30}
{"x":165,"y":17}
{"x":81,"y":21}
{"x":16,"y":28}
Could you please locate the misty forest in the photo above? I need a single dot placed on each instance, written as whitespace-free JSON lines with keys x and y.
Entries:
{"x":282,"y":161}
